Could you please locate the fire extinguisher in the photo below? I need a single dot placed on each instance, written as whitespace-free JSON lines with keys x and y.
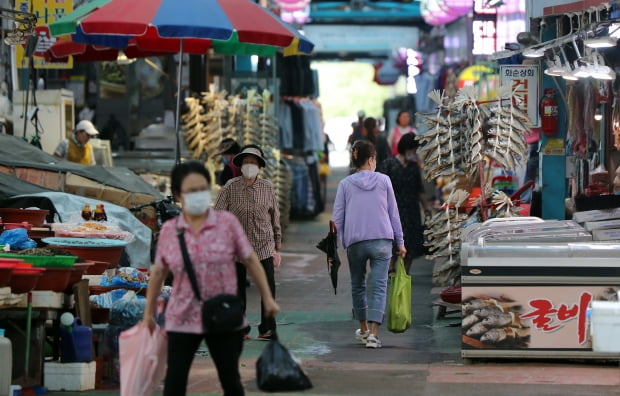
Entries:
{"x":549,"y":113}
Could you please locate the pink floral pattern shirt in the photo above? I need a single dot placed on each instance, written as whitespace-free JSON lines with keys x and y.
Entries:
{"x":212,"y":251}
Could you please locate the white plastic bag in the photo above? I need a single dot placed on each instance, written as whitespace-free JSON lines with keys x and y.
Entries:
{"x":143,"y":358}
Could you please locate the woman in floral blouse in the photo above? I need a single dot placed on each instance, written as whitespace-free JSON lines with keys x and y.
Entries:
{"x":214,"y":239}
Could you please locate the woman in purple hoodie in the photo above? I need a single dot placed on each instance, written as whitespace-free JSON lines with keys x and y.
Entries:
{"x":367,"y":220}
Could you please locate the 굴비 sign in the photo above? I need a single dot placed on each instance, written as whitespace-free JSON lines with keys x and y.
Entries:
{"x":530,"y":317}
{"x":523,"y":80}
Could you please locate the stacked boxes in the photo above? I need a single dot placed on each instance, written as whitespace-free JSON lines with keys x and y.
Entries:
{"x":603,"y":224}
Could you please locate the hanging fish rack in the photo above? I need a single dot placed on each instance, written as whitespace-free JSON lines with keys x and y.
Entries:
{"x":464,"y":136}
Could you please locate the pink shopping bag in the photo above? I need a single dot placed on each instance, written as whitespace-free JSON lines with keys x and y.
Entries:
{"x":143,"y":360}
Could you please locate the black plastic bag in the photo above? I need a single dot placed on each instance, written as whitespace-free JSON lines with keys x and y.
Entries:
{"x":277,"y":370}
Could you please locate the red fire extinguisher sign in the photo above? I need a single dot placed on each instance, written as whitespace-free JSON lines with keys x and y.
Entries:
{"x":549,"y":113}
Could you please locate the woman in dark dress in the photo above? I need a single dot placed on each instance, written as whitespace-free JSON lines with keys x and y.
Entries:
{"x":404,"y":172}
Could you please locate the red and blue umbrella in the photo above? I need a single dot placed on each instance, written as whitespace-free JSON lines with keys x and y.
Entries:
{"x":182,"y":26}
{"x":190,"y":26}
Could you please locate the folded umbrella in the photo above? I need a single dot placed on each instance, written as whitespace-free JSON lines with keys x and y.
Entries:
{"x":329,"y":245}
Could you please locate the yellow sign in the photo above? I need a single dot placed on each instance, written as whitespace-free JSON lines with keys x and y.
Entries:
{"x":47,"y":11}
{"x":554,"y":146}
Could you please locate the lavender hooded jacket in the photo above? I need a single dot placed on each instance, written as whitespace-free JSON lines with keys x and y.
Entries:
{"x":365,"y":209}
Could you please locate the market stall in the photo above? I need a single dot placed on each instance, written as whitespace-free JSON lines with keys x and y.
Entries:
{"x":41,"y":279}
{"x":527,"y":289}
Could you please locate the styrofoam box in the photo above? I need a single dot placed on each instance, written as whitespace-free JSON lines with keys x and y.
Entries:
{"x":44,"y":299}
{"x":69,"y":376}
{"x":596,"y":215}
{"x":606,"y":235}
{"x":601,"y":225}
{"x":606,"y":326}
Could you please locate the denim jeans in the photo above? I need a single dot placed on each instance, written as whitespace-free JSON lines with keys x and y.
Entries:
{"x":369,"y":305}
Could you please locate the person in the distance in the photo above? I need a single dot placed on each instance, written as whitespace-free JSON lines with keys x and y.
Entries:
{"x":77,"y":148}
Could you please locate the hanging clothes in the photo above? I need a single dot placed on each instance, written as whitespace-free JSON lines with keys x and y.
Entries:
{"x":285,"y":119}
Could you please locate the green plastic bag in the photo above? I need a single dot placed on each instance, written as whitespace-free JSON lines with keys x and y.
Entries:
{"x":399,"y":299}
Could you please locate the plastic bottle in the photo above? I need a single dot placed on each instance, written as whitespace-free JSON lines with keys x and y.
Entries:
{"x":100,"y":214}
{"x":87,"y":214}
{"x":6,"y":364}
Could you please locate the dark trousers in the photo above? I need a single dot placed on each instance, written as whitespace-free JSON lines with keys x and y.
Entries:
{"x":265,"y":323}
{"x":225,"y":350}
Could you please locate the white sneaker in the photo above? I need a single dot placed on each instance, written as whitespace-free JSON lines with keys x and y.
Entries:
{"x":361,"y":336}
{"x":373,"y":342}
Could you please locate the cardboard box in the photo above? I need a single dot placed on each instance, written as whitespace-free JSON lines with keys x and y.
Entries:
{"x":78,"y":185}
{"x":596,"y":215}
{"x":69,"y":376}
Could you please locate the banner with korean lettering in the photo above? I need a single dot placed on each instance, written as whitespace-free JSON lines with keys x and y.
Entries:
{"x":529,"y":317}
{"x":524,"y":81}
{"x":47,"y":11}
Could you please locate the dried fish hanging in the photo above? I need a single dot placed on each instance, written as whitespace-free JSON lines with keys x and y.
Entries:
{"x":258,"y":129}
{"x":206,"y":124}
{"x":443,"y":233}
{"x":502,"y":205}
{"x":461,"y":134}
{"x":193,"y":123}
{"x":457,"y":142}
{"x":218,"y":125}
{"x":466,"y":103}
{"x":442,"y":147}
{"x":506,"y":143}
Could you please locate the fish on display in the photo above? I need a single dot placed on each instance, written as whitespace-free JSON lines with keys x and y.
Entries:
{"x":470,"y":306}
{"x":503,"y":319}
{"x":477,"y":330}
{"x":486,"y":311}
{"x":469,"y":321}
{"x":496,"y":336}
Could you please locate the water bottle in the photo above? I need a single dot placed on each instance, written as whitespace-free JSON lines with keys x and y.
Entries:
{"x":6,"y":364}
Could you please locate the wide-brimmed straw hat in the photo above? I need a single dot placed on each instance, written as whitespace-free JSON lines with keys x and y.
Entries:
{"x":238,"y":159}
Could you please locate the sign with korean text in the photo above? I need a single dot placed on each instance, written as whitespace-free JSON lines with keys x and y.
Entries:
{"x":47,"y":11}
{"x":484,"y":29}
{"x":524,"y":82}
{"x":529,"y":317}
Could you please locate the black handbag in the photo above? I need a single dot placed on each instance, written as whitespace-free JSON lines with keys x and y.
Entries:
{"x":220,"y":314}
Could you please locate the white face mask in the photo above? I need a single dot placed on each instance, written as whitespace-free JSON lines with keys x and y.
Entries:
{"x":196,"y":203}
{"x":249,"y":171}
{"x":412,"y":157}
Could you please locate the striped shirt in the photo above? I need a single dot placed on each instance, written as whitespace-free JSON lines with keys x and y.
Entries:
{"x":256,"y":207}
